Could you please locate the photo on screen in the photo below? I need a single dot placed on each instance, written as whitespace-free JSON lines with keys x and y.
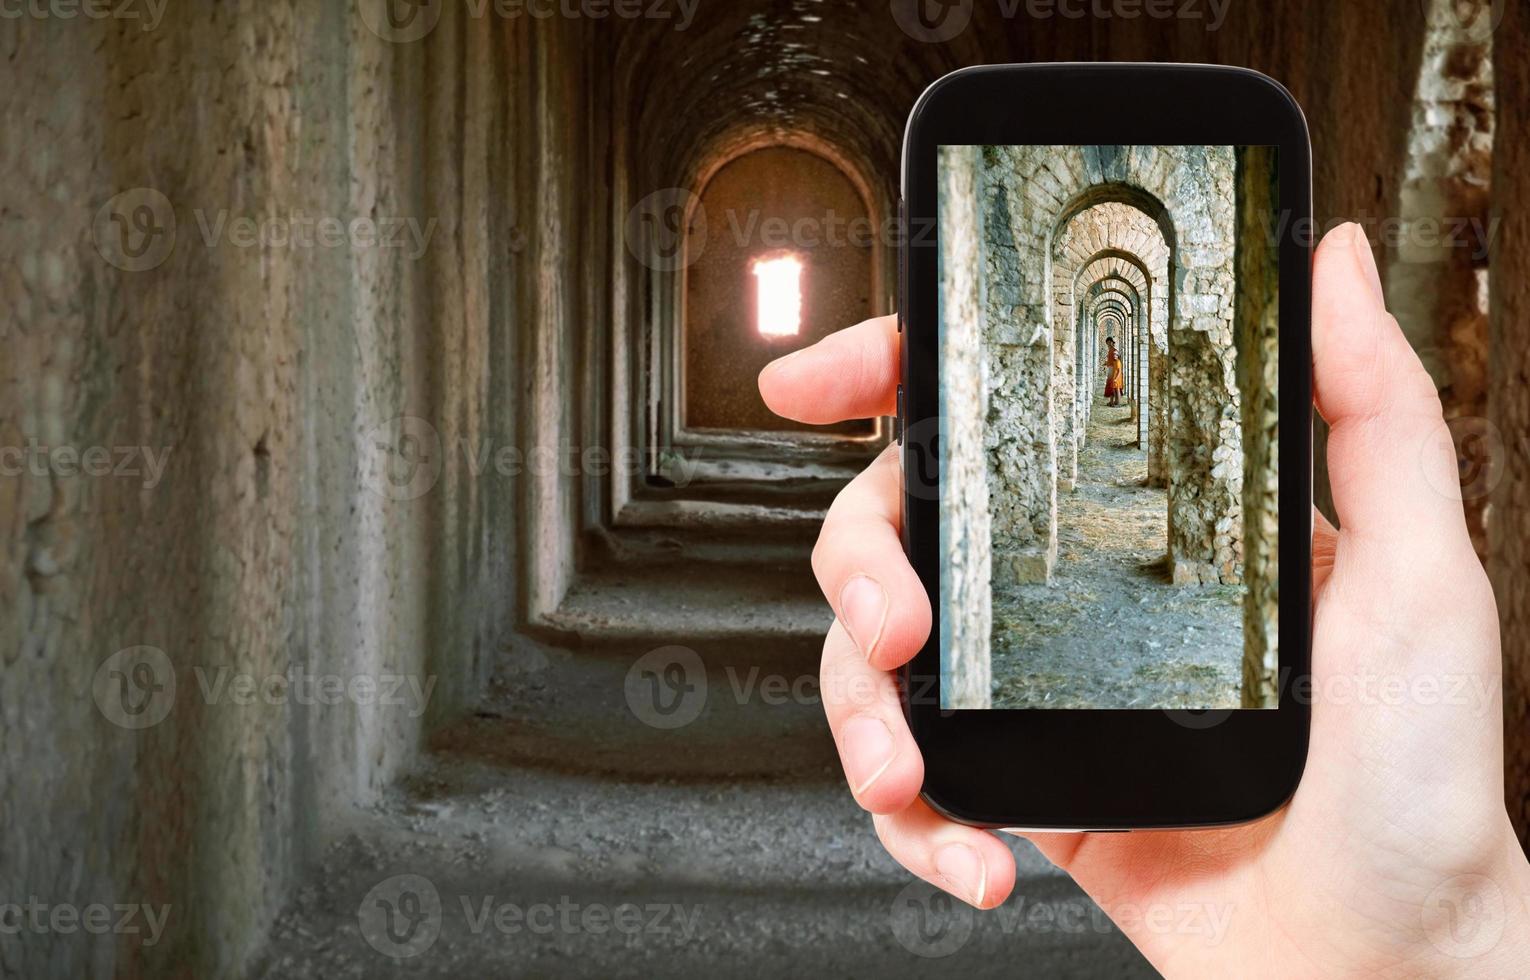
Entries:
{"x":1109,"y":327}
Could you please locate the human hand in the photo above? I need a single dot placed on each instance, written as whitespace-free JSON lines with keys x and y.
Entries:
{"x":1398,"y":828}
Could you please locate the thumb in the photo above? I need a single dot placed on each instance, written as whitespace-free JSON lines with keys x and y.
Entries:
{"x":1391,"y":462}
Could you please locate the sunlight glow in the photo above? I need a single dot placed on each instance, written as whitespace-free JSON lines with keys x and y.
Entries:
{"x":780,"y":292}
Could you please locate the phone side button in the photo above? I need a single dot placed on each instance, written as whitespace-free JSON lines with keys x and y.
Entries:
{"x":898,"y":422}
{"x":902,"y":262}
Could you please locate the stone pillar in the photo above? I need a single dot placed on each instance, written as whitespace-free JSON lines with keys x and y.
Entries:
{"x":965,"y":573}
{"x":1257,"y":334}
{"x":1433,"y":274}
{"x":1064,"y":395}
{"x":1205,"y":437}
{"x":1158,"y":390}
{"x":1017,"y":331}
{"x":1140,"y":365}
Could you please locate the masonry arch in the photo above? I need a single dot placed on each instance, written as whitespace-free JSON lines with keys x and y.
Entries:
{"x":1119,"y":235}
{"x":1077,"y":243}
{"x":1124,"y":295}
{"x":1149,"y":361}
{"x":794,"y":201}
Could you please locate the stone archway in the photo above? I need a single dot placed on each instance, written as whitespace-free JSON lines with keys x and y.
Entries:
{"x":1077,"y":243}
{"x":1150,"y":353}
{"x":1187,"y":192}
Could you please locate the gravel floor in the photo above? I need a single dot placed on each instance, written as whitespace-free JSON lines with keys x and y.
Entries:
{"x":1110,"y":631}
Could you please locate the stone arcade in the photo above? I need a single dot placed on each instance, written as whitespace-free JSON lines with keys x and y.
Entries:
{"x":1076,"y":244}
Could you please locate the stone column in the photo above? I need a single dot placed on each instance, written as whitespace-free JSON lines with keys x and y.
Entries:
{"x":1205,"y":454}
{"x":1257,"y":335}
{"x":1021,"y":437}
{"x":965,"y":621}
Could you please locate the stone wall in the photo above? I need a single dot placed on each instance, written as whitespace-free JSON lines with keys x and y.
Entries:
{"x":1018,"y":347}
{"x":1115,"y":239}
{"x":1188,"y":192}
{"x":1147,"y":292}
{"x":1441,"y":235}
{"x":1205,"y":433}
{"x":966,"y":618}
{"x":316,"y":395}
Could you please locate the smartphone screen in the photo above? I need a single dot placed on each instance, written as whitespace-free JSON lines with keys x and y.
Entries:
{"x":1108,"y":426}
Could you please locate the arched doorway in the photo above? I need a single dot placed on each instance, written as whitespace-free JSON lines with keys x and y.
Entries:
{"x":789,"y":257}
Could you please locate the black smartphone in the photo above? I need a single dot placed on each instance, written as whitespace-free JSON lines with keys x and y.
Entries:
{"x":1107,"y":442}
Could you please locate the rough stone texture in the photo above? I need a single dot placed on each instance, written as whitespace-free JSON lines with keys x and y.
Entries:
{"x":1135,"y":283}
{"x":1187,"y":192}
{"x":1258,"y":352}
{"x":1019,"y":439}
{"x":267,"y":376}
{"x":1075,"y":244}
{"x":1509,"y":404}
{"x":1441,"y":236}
{"x":965,"y":526}
{"x":1117,"y":241}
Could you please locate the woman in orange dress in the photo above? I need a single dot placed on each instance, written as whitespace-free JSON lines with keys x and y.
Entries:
{"x":1115,"y":377}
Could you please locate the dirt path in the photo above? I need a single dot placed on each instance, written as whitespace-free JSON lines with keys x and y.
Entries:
{"x":1110,"y":631}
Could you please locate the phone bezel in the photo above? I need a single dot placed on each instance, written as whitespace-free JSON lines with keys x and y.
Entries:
{"x":1107,"y":769}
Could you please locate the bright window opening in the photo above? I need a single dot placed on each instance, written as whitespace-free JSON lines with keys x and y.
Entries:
{"x":780,"y":292}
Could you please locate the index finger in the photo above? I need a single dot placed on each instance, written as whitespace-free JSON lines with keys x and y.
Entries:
{"x":851,"y":374}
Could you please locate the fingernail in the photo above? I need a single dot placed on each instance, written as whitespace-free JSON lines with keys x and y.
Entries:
{"x":868,"y":745}
{"x":863,"y":607}
{"x":1367,"y":260}
{"x":964,"y":871}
